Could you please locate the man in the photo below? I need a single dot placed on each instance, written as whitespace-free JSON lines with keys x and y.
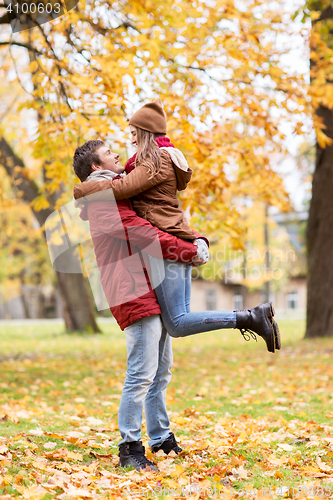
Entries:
{"x":118,"y":235}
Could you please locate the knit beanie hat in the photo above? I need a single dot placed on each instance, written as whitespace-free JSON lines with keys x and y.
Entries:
{"x":151,"y":117}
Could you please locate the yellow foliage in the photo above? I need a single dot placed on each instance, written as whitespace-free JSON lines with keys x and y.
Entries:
{"x":220,"y":87}
{"x":40,"y":203}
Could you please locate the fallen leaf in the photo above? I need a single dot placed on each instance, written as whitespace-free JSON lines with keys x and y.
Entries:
{"x":49,"y":445}
{"x":236,"y":461}
{"x":240,"y":472}
{"x":286,"y":447}
{"x":36,"y":432}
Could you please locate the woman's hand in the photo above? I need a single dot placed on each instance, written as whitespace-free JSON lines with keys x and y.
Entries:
{"x":202,"y":253}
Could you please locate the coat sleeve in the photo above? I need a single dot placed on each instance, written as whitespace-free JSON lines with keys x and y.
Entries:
{"x":202,"y":237}
{"x":123,"y":223}
{"x":134,"y":183}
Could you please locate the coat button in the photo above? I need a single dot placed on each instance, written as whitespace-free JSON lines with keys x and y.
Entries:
{"x":133,"y":267}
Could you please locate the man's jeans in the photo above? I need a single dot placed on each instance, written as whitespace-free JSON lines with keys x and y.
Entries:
{"x":174,"y":294}
{"x":149,"y":361}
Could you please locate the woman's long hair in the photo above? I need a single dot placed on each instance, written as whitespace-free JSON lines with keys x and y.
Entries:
{"x":148,"y":154}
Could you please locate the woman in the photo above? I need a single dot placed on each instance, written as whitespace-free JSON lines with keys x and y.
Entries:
{"x":155,"y":174}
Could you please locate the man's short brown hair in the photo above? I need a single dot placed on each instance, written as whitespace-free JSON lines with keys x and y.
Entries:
{"x":84,"y":157}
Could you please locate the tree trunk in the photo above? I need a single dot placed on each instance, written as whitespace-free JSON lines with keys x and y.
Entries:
{"x":25,"y":302}
{"x":78,"y":313}
{"x":319,"y":229}
{"x":320,"y":240}
{"x":77,"y":302}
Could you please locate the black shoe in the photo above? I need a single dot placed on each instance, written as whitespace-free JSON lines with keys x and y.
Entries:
{"x":170,"y":444}
{"x":133,"y":454}
{"x":260,"y":321}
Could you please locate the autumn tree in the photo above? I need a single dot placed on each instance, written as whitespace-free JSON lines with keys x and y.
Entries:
{"x":319,"y":230}
{"x":25,"y":181}
{"x":218,"y":69}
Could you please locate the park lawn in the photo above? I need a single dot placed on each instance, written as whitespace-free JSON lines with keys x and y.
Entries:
{"x":250,"y":422}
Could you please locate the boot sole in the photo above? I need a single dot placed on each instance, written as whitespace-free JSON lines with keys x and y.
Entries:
{"x":277,"y":336}
{"x":269,"y":313}
{"x":122,"y":464}
{"x":139,"y":469}
{"x":126,"y":467}
{"x":272,"y":308}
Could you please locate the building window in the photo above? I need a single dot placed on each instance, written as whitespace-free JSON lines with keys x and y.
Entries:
{"x":238,"y":302}
{"x":292,"y":300}
{"x":211,"y":299}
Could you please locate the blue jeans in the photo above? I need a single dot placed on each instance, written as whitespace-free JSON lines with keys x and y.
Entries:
{"x":149,"y":361}
{"x":174,"y":293}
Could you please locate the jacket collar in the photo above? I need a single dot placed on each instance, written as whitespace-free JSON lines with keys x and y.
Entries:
{"x":101,"y":175}
{"x":96,"y":175}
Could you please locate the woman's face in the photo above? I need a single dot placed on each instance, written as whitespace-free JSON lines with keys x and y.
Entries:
{"x":133,"y":136}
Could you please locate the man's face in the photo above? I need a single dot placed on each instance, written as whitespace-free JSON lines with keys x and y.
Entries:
{"x":109,"y":161}
{"x":133,"y":136}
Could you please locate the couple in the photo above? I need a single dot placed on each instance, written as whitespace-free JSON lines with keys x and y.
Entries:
{"x":141,"y":238}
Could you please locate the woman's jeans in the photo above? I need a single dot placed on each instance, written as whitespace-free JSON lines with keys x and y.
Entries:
{"x":174,"y":293}
{"x":149,"y":362}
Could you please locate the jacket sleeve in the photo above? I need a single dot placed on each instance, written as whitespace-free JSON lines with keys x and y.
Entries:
{"x":123,"y":223}
{"x":201,"y":237}
{"x":134,"y":183}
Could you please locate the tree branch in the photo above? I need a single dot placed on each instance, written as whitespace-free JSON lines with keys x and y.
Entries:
{"x":24,"y":45}
{"x":223,"y":80}
{"x":105,"y":31}
{"x":79,"y":51}
{"x":326,"y":14}
{"x":8,"y":109}
{"x":61,"y":84}
{"x":5,"y":19}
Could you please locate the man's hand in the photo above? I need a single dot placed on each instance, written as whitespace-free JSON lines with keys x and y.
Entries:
{"x":202,"y":253}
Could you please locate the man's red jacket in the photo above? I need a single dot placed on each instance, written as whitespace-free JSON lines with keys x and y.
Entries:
{"x":119,"y":235}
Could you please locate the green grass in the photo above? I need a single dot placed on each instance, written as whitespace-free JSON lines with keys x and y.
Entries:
{"x":228,"y":398}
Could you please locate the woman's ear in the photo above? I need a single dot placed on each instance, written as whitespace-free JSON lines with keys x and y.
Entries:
{"x":94,"y":167}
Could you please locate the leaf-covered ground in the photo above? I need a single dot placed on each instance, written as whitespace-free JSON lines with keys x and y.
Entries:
{"x":251,"y":423}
